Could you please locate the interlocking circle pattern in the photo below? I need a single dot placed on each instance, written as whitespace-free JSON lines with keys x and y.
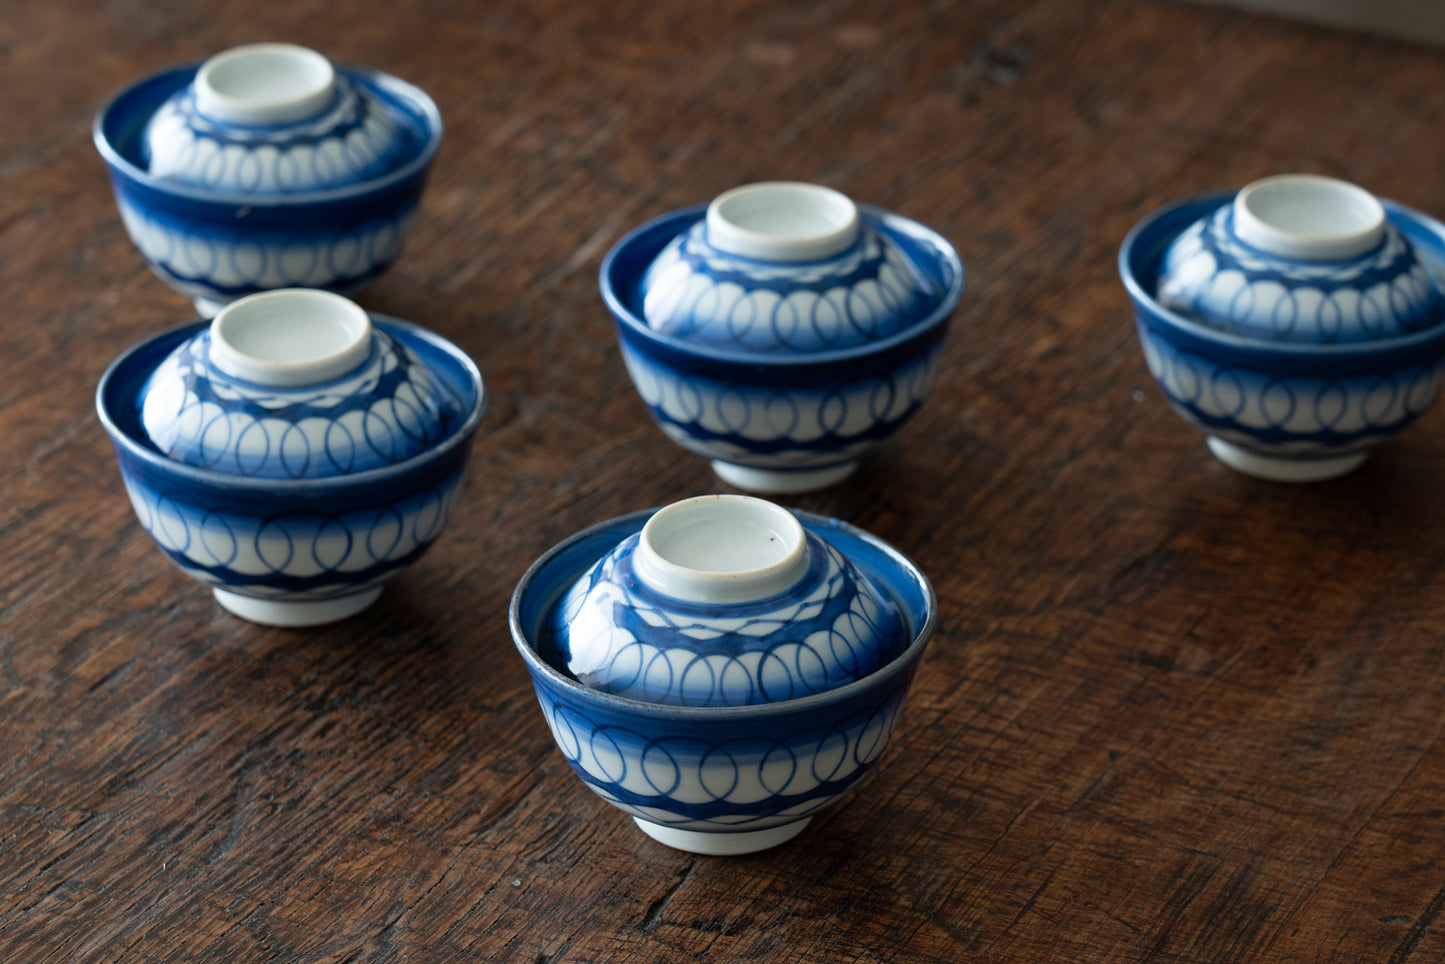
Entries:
{"x":782,"y":426}
{"x":1292,"y":415}
{"x":353,"y":140}
{"x":705,"y":296}
{"x":617,"y":636}
{"x":295,"y":555}
{"x":1211,"y":276}
{"x":721,"y":785}
{"x":385,"y":412}
{"x":226,"y":266}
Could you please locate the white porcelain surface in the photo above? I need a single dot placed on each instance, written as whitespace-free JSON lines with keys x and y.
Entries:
{"x":783,"y":268}
{"x":1293,"y":368}
{"x":721,"y":549}
{"x":784,"y":221}
{"x":295,"y":505}
{"x":265,"y":84}
{"x":1275,"y":468}
{"x":783,"y":331}
{"x":1309,"y":218}
{"x":293,"y":613}
{"x":290,"y":338}
{"x":721,"y":844}
{"x":718,"y":778}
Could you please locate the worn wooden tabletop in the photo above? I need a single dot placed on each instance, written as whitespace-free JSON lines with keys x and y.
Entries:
{"x":1170,"y":714}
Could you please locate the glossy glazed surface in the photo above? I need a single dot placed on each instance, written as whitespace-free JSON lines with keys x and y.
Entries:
{"x":386,"y":411}
{"x":341,"y":136}
{"x":698,"y":293}
{"x":1215,"y":277}
{"x":613,"y":633}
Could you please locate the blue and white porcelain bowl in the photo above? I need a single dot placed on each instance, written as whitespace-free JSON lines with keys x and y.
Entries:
{"x":781,"y":331}
{"x":1300,"y":343}
{"x":294,"y":453}
{"x":268,"y":167}
{"x":722,"y":669}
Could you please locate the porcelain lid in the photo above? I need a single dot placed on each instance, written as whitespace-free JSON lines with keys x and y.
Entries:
{"x":292,"y":384}
{"x":723,"y":601}
{"x":1301,"y":259}
{"x":783,"y":268}
{"x":273,"y":119}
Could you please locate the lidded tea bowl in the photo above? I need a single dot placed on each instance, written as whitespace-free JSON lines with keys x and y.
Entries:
{"x":722,"y":668}
{"x":782,"y":330}
{"x":1296,"y":322}
{"x":295,"y":452}
{"x":268,"y":167}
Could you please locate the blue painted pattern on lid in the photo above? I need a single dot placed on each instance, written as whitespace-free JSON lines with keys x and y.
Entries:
{"x":615,"y":634}
{"x":384,"y":412}
{"x":696,"y":292}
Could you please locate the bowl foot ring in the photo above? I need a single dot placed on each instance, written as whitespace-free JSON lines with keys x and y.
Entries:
{"x":722,"y":844}
{"x":310,"y":612}
{"x":781,"y":482}
{"x":1281,"y":469}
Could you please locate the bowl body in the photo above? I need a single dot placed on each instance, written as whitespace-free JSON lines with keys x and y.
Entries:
{"x":729,"y":779}
{"x":293,"y":551}
{"x":1276,"y":409}
{"x":215,"y":245}
{"x":771,"y":421}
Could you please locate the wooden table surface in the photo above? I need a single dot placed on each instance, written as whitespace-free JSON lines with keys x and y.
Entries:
{"x":1171,"y":713}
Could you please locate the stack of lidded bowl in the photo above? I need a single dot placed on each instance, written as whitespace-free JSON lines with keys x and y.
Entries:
{"x":296,"y":452}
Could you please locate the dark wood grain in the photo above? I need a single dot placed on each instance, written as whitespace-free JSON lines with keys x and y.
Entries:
{"x":1171,"y":713}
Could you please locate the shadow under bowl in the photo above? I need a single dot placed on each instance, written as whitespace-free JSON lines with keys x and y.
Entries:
{"x":293,"y":552}
{"x":1282,"y":411}
{"x":217,"y":246}
{"x":775,"y":423}
{"x":731,"y":779}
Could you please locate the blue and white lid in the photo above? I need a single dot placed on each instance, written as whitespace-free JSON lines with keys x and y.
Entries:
{"x":292,"y":384}
{"x":270,"y":119}
{"x":723,"y":600}
{"x":784,"y":268}
{"x":1302,"y":259}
